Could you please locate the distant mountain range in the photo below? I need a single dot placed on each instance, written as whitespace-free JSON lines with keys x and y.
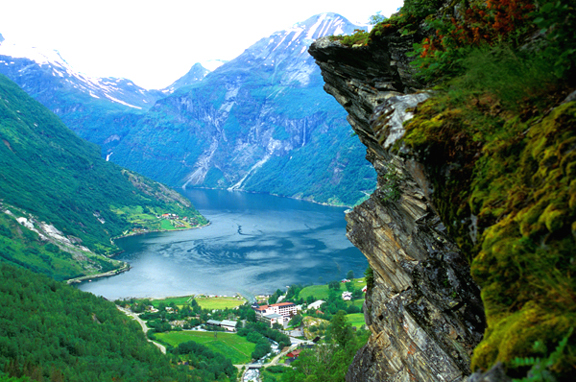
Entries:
{"x":46,"y":76}
{"x":260,"y":122}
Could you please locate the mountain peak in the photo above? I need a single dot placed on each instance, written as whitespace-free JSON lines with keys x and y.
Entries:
{"x":196,"y":73}
{"x":38,"y":55}
{"x":323,"y":24}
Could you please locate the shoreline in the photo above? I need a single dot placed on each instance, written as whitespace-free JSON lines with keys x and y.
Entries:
{"x":153,"y":231}
{"x":125,"y":267}
{"x":276,"y":195}
{"x":78,"y":280}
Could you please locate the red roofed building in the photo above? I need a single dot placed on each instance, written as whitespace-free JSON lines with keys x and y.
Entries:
{"x":294,"y":353}
{"x":285,"y":309}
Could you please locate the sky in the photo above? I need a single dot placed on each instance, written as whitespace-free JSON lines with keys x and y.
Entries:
{"x":153,"y":43}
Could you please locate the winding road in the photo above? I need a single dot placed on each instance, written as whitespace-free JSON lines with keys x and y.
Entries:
{"x":145,"y":328}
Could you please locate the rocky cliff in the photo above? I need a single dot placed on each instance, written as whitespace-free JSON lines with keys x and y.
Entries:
{"x":424,"y":309}
{"x":468,"y":234}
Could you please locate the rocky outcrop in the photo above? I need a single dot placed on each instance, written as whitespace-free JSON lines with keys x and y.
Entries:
{"x":424,"y":309}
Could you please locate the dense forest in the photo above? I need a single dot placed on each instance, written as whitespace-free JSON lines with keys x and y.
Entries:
{"x":52,"y":332}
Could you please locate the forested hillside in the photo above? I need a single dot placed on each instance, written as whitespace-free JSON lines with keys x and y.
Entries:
{"x":61,"y":202}
{"x":50,"y":331}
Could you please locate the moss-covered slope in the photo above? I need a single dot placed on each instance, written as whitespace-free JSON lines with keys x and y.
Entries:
{"x":518,"y":198}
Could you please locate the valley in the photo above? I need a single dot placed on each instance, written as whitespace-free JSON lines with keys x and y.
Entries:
{"x":433,"y":153}
{"x":61,"y":203}
{"x":69,"y":210}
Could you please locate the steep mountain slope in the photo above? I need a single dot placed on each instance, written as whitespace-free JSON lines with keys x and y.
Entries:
{"x":254,"y":124}
{"x":60,"y":201}
{"x":83,"y":103}
{"x":50,"y":331}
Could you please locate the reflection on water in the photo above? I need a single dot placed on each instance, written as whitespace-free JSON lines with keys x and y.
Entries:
{"x":255,"y":244}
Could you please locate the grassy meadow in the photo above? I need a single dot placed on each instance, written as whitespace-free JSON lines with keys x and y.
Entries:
{"x":230,"y":345}
{"x":204,"y":302}
{"x":219,"y":302}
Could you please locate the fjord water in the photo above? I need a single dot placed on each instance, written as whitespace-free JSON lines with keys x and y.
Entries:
{"x":255,"y":244}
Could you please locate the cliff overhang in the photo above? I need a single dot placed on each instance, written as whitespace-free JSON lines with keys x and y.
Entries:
{"x":463,"y":190}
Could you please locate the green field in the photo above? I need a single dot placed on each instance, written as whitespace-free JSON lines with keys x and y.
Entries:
{"x":179,"y":301}
{"x":219,"y":302}
{"x":318,"y":291}
{"x":165,"y":224}
{"x":230,"y":345}
{"x":321,"y":291}
{"x":357,"y":303}
{"x":204,"y":302}
{"x":356,"y":319}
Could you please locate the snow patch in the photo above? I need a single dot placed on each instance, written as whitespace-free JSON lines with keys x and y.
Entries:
{"x":121,"y":102}
{"x":212,"y":65}
{"x":312,"y":30}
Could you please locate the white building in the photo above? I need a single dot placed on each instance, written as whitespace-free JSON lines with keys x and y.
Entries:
{"x":316,"y":304}
{"x":285,"y":309}
{"x":228,"y":325}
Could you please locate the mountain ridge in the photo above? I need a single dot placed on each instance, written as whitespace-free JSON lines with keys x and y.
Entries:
{"x":246,"y":120}
{"x":248,"y":125}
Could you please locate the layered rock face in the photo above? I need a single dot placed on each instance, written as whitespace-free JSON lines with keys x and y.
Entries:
{"x":424,"y":309}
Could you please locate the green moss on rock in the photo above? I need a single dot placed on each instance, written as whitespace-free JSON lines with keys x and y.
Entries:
{"x":515,"y":178}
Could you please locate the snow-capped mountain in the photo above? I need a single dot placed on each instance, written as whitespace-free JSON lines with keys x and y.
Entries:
{"x":261,"y":122}
{"x":42,"y":73}
{"x":286,"y":51}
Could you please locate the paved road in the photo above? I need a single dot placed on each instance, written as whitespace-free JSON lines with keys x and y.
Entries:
{"x":274,"y":361}
{"x":145,"y":328}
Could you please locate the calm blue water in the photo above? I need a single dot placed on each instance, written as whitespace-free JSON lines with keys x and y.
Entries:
{"x":255,"y":244}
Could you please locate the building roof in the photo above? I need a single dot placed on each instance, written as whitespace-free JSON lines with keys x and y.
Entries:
{"x":213,"y":322}
{"x":280,"y":304}
{"x":316,"y":304}
{"x":228,"y":323}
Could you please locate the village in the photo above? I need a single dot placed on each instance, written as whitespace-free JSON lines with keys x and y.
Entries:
{"x":271,"y":331}
{"x":177,"y":221}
